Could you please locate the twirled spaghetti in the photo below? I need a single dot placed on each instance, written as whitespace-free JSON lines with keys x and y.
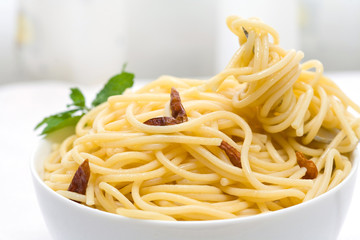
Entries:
{"x":266,"y":105}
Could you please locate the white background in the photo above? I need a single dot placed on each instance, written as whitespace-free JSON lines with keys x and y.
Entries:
{"x":88,"y":41}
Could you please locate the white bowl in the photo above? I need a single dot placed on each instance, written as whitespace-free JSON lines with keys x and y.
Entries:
{"x":320,"y":218}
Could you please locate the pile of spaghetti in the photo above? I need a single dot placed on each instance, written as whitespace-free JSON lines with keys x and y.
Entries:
{"x":264,"y":134}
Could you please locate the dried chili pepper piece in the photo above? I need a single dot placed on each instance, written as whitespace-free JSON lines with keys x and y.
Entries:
{"x":161,"y":121}
{"x":311,"y":169}
{"x":233,"y":154}
{"x":177,"y":109}
{"x":81,"y":178}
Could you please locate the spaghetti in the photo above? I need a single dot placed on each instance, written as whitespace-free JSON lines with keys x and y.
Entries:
{"x":236,"y":152}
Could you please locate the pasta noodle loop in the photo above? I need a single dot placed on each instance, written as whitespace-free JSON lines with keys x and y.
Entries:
{"x":233,"y":145}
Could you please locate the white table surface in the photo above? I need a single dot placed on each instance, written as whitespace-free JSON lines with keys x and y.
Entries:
{"x":23,"y":105}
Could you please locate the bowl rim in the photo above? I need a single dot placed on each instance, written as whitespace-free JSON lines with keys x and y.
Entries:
{"x":355,"y":158}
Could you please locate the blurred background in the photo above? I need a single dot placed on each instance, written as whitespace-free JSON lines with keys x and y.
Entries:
{"x":87,"y":41}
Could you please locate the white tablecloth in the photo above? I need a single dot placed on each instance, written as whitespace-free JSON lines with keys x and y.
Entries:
{"x":23,"y":105}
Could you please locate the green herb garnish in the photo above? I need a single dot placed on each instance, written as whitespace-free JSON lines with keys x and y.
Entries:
{"x":115,"y":86}
{"x":77,"y":97}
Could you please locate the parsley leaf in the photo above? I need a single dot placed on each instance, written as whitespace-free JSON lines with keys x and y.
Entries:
{"x":116,"y":85}
{"x":59,"y":120}
{"x":77,"y":97}
{"x":55,"y":123}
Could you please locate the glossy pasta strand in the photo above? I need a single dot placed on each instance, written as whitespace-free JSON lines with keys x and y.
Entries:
{"x":265,"y":105}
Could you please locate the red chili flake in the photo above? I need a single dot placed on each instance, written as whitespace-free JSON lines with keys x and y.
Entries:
{"x":81,"y":178}
{"x":311,"y":169}
{"x":233,"y":154}
{"x":177,"y":109}
{"x":161,"y":121}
